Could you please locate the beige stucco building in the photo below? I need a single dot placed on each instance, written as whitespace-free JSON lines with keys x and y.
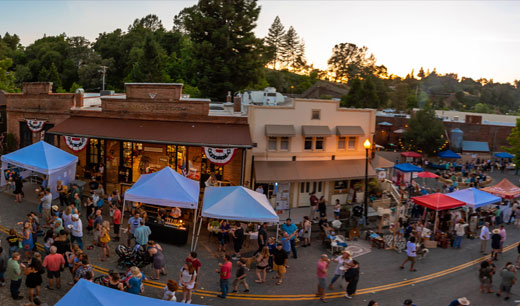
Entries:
{"x":306,"y":146}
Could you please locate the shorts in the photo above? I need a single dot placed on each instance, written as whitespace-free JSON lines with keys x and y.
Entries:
{"x":279,"y":268}
{"x":53,"y":274}
{"x":322,"y":283}
{"x":336,"y":214}
{"x":116,"y":228}
{"x":261,"y":267}
{"x":485,"y":281}
{"x":505,"y":288}
{"x":411,"y":258}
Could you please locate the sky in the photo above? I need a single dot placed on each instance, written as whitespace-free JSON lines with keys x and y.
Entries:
{"x":471,"y":38}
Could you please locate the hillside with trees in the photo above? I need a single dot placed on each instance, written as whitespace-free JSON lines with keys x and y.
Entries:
{"x":212,"y":49}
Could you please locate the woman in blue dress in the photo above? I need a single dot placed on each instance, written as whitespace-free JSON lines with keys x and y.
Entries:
{"x":27,"y":241}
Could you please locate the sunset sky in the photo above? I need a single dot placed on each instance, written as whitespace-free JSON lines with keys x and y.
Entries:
{"x":474,"y":39}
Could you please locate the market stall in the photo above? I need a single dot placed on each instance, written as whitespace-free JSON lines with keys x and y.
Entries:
{"x":504,"y":155}
{"x":85,"y":293}
{"x":504,"y":189}
{"x":474,"y":197}
{"x":169,"y":199}
{"x":236,"y":203}
{"x":45,"y":159}
{"x":449,"y":154}
{"x":437,"y":202}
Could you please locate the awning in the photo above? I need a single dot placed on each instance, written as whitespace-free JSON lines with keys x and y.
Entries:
{"x":437,"y":201}
{"x":448,"y":154}
{"x":155,"y":131}
{"x":315,"y":130}
{"x":294,"y":171}
{"x":349,"y":130}
{"x":408,"y":168}
{"x":381,"y":162}
{"x":475,"y":146}
{"x":279,"y":130}
{"x":474,"y":198}
{"x":504,"y":155}
{"x":384,"y":123}
{"x":411,"y":154}
{"x":504,"y":189}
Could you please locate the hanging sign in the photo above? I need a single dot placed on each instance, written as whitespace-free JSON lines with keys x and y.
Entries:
{"x":76,"y":144}
{"x":219,"y":156}
{"x":35,"y":125}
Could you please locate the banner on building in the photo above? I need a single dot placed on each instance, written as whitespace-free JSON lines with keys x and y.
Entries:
{"x":219,"y":156}
{"x":35,"y":125}
{"x":76,"y":144}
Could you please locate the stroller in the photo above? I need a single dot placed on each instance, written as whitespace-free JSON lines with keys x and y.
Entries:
{"x":128,"y":257}
{"x":104,"y":279}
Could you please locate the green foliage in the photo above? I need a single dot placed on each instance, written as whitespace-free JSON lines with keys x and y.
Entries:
{"x":74,"y":87}
{"x":7,"y":78}
{"x":362,"y":94}
{"x":514,"y":143}
{"x":293,"y":51}
{"x":481,"y":108}
{"x":425,"y":133}
{"x":274,"y":42}
{"x":54,"y":77}
{"x":287,"y":82}
{"x":349,"y":61}
{"x":227,"y":55}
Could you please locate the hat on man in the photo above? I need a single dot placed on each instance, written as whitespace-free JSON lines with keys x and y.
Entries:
{"x":75,"y":216}
{"x":55,"y":207}
{"x":463,"y":301}
{"x":496,"y":231}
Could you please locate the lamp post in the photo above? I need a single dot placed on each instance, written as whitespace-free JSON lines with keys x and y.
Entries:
{"x":367,"y":146}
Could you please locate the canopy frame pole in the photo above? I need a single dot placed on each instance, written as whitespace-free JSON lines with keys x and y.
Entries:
{"x":198,"y":233}
{"x":194,"y":226}
{"x":123,"y":212}
{"x":435,"y":225}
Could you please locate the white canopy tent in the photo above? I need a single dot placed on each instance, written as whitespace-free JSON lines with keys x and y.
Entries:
{"x":166,"y":188}
{"x":236,"y":203}
{"x":43,"y":158}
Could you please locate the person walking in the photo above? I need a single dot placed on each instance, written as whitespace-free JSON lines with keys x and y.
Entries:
{"x":54,"y":262}
{"x":133,"y":224}
{"x":485,"y":235}
{"x":195,"y":262}
{"x":460,"y":230}
{"x":262,"y":237}
{"x":76,"y":232}
{"x":307,"y":228}
{"x":34,"y":272}
{"x":321,"y":271}
{"x":116,"y":220}
{"x":104,"y":239}
{"x":485,"y":276}
{"x":142,"y":233}
{"x":292,"y":230}
{"x":314,"y":205}
{"x":14,"y":273}
{"x":225,"y":275}
{"x":411,"y":254}
{"x":187,"y":278}
{"x":460,"y":302}
{"x":238,"y":240}
{"x":155,"y":251}
{"x":14,"y":241}
{"x":508,"y":280}
{"x":279,"y":262}
{"x":495,"y":243}
{"x":27,"y":240}
{"x":240,"y":276}
{"x":262,"y":263}
{"x":18,"y":188}
{"x":503,"y":236}
{"x":322,"y":206}
{"x":46,"y":206}
{"x":344,"y":262}
{"x":135,"y":283}
{"x":352,"y":278}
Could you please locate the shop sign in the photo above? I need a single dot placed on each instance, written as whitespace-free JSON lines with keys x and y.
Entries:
{"x":153,"y":149}
{"x":76,"y":144}
{"x":219,"y":156}
{"x":35,"y":125}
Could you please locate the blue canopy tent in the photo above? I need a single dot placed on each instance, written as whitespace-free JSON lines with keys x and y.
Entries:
{"x":504,"y":155}
{"x":407,"y":167}
{"x":448,"y":154}
{"x":236,"y":203}
{"x":43,"y":158}
{"x":474,"y":197}
{"x":166,"y":188}
{"x":85,"y":293}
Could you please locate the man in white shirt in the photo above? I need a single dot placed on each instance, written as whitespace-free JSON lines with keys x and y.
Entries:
{"x":46,"y":206}
{"x":411,"y":254}
{"x":484,"y":237}
{"x":77,"y":231}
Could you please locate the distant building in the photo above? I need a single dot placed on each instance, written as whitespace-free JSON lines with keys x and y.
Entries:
{"x":325,"y":89}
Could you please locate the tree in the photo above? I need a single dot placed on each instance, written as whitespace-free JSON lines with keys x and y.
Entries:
{"x":7,"y":79}
{"x":362,"y":94}
{"x":348,"y":61}
{"x":425,"y":132}
{"x":421,"y":73}
{"x":54,"y":77}
{"x":514,"y":143}
{"x":149,"y":65}
{"x":481,"y":108}
{"x":293,"y":51}
{"x":226,"y":53}
{"x":274,"y":42}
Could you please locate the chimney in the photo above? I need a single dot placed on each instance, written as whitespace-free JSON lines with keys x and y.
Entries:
{"x":237,"y":103}
{"x":228,"y":97}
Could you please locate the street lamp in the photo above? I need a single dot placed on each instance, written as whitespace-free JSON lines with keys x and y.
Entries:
{"x":367,"y":146}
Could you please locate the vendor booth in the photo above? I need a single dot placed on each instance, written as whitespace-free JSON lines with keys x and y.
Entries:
{"x":86,"y":293}
{"x":168,"y":199}
{"x":437,"y":202}
{"x":45,"y":159}
{"x":449,"y":154}
{"x":504,"y":155}
{"x":405,"y":172}
{"x":474,"y":197}
{"x":504,"y":189}
{"x":236,"y":203}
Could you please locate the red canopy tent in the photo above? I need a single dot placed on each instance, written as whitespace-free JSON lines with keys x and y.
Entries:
{"x":411,"y":154}
{"x":427,"y":174}
{"x":437,"y":201}
{"x":504,"y":189}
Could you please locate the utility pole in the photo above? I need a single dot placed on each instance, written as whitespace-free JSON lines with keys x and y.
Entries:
{"x":104,"y":72}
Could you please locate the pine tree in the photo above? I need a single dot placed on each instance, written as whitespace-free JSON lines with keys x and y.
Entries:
{"x":150,"y":67}
{"x":421,"y":73}
{"x":54,"y":77}
{"x":274,"y":41}
{"x":293,"y":51}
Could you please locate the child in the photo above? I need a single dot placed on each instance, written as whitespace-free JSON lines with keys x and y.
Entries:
{"x":241,"y":276}
{"x":271,"y":244}
{"x":90,"y":225}
{"x":337,"y":209}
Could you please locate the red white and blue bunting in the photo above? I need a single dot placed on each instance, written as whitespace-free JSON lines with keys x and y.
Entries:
{"x":35,"y":125}
{"x":219,"y":156}
{"x":76,"y":144}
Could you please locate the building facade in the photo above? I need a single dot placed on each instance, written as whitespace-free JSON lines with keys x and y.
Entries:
{"x":309,"y":146}
{"x":142,"y":131}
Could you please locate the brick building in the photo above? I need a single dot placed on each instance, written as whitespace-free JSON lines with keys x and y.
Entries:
{"x":146,"y":129}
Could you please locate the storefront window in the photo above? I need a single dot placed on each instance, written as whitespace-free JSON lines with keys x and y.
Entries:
{"x":171,"y":153}
{"x":126,"y":162}
{"x":352,"y":143}
{"x":340,"y":185}
{"x":341,"y":143}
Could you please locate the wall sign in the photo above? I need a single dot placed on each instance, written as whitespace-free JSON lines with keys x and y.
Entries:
{"x":76,"y":144}
{"x":35,"y":125}
{"x":219,"y":156}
